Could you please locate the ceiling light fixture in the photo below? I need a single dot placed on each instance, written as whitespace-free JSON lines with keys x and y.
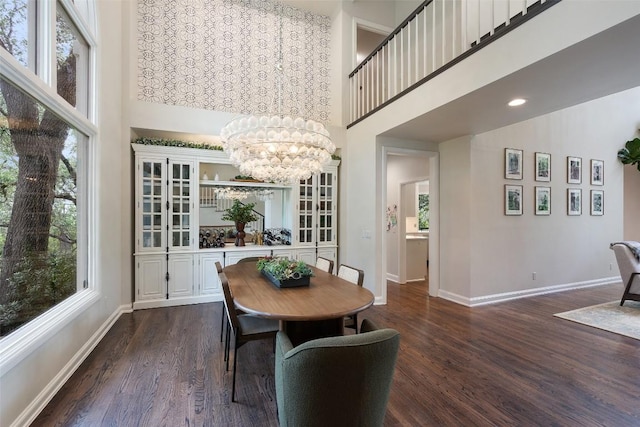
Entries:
{"x":277,"y":147}
{"x":517,"y":101}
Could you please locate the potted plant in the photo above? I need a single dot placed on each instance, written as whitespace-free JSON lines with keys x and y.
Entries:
{"x":284,"y":272}
{"x":240,"y":214}
{"x":630,"y":154}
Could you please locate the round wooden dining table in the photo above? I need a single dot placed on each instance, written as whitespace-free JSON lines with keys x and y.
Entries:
{"x":305,"y":312}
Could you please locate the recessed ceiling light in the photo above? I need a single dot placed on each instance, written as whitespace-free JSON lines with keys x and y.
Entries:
{"x":516,"y":102}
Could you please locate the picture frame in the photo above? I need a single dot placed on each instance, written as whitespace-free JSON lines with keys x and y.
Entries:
{"x":512,"y":163}
{"x":542,"y":200}
{"x":543,"y":167}
{"x":597,"y":172}
{"x":512,"y":199}
{"x":574,"y":201}
{"x":597,"y":202}
{"x":574,"y":170}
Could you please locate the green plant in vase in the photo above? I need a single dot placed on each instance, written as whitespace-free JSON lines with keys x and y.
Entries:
{"x":240,"y":214}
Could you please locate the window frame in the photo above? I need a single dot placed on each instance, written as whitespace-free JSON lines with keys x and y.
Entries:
{"x":40,"y":84}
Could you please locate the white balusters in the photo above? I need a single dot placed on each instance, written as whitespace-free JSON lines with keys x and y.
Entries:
{"x":437,"y":33}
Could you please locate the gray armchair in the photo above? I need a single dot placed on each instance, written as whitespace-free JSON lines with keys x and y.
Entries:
{"x":336,"y":381}
{"x":628,"y":258}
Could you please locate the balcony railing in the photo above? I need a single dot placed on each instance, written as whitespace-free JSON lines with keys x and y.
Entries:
{"x":438,"y":34}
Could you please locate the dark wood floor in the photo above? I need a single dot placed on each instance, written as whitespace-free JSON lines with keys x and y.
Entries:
{"x":507,"y":364}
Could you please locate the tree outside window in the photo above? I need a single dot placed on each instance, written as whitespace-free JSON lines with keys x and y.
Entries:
{"x":423,"y":211}
{"x":39,"y":218}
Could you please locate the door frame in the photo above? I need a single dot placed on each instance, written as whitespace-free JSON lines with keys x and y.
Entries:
{"x":434,"y":214}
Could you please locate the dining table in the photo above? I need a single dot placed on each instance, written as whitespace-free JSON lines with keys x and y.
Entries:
{"x":304,"y":312}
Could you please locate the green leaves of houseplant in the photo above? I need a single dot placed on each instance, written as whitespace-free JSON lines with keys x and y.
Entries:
{"x":630,"y":154}
{"x":283,"y":268}
{"x":240,"y":213}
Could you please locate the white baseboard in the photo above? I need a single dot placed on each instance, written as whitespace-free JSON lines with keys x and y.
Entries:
{"x":44,"y":397}
{"x":495,"y":298}
{"x":393,"y":277}
{"x":140,"y":305}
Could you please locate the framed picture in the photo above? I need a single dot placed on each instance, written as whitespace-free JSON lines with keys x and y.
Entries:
{"x":574,"y":201}
{"x":597,"y":172}
{"x":543,"y":167}
{"x":574,"y":170}
{"x":597,"y":202}
{"x":512,"y":163}
{"x":513,"y":199}
{"x":543,"y":200}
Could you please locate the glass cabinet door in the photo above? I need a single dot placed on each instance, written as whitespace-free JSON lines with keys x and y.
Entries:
{"x":305,"y":212}
{"x":326,"y":205}
{"x":317,"y":207}
{"x":180,"y":204}
{"x":151,"y":211}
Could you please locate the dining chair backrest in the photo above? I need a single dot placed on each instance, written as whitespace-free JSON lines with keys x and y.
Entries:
{"x":324,"y":264}
{"x":353,"y":275}
{"x":229,"y":304}
{"x":343,"y":380}
{"x":218,"y":267}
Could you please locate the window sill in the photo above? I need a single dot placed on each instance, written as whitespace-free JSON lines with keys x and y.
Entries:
{"x":18,"y":345}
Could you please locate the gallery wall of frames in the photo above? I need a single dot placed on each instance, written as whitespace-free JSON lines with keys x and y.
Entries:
{"x":514,"y":170}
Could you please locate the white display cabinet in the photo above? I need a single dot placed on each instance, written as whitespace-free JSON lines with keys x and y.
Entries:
{"x":316,"y":212}
{"x":175,"y":197}
{"x":209,"y":282}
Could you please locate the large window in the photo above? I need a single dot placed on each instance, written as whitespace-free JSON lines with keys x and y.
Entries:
{"x":44,"y":156}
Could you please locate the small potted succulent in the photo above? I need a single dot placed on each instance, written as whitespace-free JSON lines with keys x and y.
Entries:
{"x":240,"y":214}
{"x":284,"y":272}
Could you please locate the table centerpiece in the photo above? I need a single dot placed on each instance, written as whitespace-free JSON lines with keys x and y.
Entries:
{"x":284,"y":272}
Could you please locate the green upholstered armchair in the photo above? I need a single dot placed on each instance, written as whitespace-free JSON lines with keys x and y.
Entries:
{"x":336,"y":381}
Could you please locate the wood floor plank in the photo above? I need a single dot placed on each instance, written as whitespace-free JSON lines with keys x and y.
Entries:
{"x":506,"y":364}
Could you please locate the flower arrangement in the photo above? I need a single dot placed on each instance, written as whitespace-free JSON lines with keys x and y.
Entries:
{"x":284,"y":268}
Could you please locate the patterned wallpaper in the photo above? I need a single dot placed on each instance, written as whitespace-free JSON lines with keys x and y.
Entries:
{"x":221,"y":55}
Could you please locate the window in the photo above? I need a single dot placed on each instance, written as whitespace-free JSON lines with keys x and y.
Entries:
{"x":423,"y":211}
{"x":18,"y":30}
{"x":44,"y":156}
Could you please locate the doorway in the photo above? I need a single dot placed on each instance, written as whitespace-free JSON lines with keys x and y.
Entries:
{"x":401,"y":170}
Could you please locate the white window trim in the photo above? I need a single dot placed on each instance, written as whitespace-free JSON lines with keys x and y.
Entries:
{"x":18,"y":345}
{"x":21,"y":343}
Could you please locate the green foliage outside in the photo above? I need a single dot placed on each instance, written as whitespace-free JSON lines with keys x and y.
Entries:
{"x":423,"y":211}
{"x":38,"y":214}
{"x":40,"y":282}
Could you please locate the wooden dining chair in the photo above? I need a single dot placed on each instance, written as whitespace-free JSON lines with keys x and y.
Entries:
{"x":353,"y":275}
{"x":245,"y":328}
{"x":222,"y":318}
{"x":324,"y":264}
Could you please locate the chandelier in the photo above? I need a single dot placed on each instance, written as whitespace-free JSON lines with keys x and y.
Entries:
{"x":242,"y":193}
{"x":277,"y":147}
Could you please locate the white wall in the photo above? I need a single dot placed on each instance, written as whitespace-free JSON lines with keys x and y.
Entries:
{"x":456,"y":189}
{"x":363,"y":208}
{"x":562,"y":250}
{"x":28,"y":386}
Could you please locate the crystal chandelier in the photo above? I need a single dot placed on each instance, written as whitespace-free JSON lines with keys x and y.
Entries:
{"x":277,"y":147}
